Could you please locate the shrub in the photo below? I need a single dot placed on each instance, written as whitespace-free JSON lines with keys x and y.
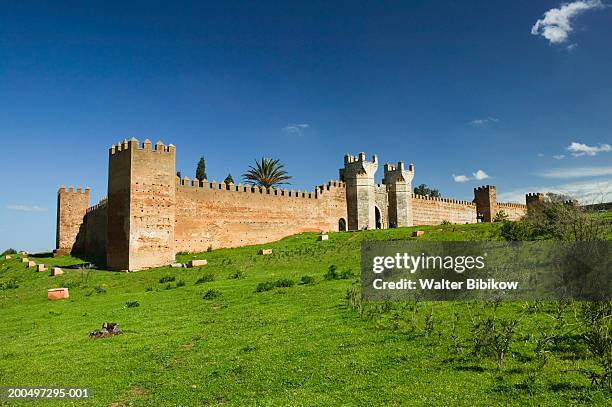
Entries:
{"x":132,"y":304}
{"x":516,"y":231}
{"x":500,"y":216}
{"x":9,"y":284}
{"x":236,"y":275}
{"x":9,"y":251}
{"x":149,"y":289}
{"x":494,"y":337}
{"x":167,"y":279}
{"x":307,"y":280}
{"x":270,"y":285}
{"x":180,"y":283}
{"x":99,"y":290}
{"x":211,"y":294}
{"x":446,"y":222}
{"x":205,"y":278}
{"x":334,"y":274}
{"x":210,"y":249}
{"x":169,"y":286}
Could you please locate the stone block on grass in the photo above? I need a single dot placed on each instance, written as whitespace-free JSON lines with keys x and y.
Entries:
{"x":25,"y":260}
{"x":197,"y":263}
{"x":265,"y":251}
{"x":31,"y":263}
{"x":57,"y":293}
{"x":40,"y":268}
{"x":418,"y":233}
{"x":56,"y":271}
{"x":323,"y":237}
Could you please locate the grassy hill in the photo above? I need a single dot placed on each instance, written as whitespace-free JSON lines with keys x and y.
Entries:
{"x":206,"y":336}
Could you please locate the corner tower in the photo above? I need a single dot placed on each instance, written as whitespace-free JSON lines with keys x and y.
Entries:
{"x":141,"y":205}
{"x":70,"y":230}
{"x":398,"y":180}
{"x":358,"y":174}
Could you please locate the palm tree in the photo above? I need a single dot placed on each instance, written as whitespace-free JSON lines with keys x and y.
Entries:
{"x":266,"y":173}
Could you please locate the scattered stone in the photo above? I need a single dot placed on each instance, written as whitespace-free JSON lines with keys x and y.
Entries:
{"x":25,"y":260}
{"x":57,"y":293}
{"x":7,"y":257}
{"x":31,"y":263}
{"x":40,"y":268}
{"x":418,"y":233}
{"x":177,"y":265}
{"x":196,"y":263}
{"x":323,"y":237}
{"x":265,"y":251}
{"x":23,"y":253}
{"x":108,"y":329}
{"x":56,"y":271}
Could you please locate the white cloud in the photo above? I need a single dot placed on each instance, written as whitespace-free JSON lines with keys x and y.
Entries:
{"x":489,"y":119}
{"x":587,"y":192}
{"x":460,"y":178}
{"x":559,"y":156}
{"x":25,"y":208}
{"x":580,"y":172}
{"x":480,"y":175}
{"x":556,"y":24}
{"x":580,"y":149}
{"x":296,"y":128}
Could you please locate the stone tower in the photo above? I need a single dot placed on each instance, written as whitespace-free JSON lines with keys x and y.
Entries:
{"x":534,"y":199}
{"x":141,"y":205}
{"x":358,"y":174}
{"x":399,"y":190}
{"x":71,"y":210}
{"x":485,"y":198}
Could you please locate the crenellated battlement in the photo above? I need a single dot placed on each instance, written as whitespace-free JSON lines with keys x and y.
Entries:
{"x":71,"y":190}
{"x":442,"y":199}
{"x":359,"y":158}
{"x":511,"y":205}
{"x":185,"y":183}
{"x":101,"y":204}
{"x":484,"y":188}
{"x":146,"y":145}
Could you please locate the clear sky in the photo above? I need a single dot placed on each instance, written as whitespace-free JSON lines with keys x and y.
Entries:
{"x":463,"y":90}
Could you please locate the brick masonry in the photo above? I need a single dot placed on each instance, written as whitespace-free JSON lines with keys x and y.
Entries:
{"x":150,"y":214}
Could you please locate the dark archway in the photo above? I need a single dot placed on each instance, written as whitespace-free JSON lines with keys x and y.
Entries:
{"x":342,"y":225}
{"x":378,"y":218}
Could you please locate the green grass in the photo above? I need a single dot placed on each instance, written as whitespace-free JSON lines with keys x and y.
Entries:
{"x":221,"y":342}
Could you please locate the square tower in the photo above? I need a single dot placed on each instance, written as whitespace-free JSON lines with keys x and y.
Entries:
{"x":398,"y":180}
{"x":141,"y":205}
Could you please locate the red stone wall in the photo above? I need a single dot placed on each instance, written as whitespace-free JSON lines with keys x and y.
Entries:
{"x":216,"y":217}
{"x":432,"y":211}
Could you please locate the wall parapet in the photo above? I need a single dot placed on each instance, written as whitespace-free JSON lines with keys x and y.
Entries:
{"x":186,"y":183}
{"x":511,"y":205}
{"x":146,"y":145}
{"x":442,"y":199}
{"x":71,"y":190}
{"x":103,"y":202}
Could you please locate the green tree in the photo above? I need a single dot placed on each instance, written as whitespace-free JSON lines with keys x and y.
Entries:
{"x":201,"y":170}
{"x":229,"y":179}
{"x":423,"y":189}
{"x":266,"y":173}
{"x":178,"y":174}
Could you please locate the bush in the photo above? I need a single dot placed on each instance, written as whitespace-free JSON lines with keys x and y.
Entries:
{"x":180,"y":283}
{"x":307,"y":280}
{"x":205,"y":278}
{"x":516,"y":231}
{"x":500,"y":216}
{"x":167,"y":279}
{"x":236,"y":275}
{"x":446,"y":222}
{"x":9,"y":284}
{"x":211,"y":294}
{"x":99,"y":290}
{"x":270,"y":285}
{"x":334,"y":274}
{"x":9,"y":251}
{"x":132,"y":304}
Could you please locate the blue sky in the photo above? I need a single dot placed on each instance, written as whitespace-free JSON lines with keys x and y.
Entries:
{"x":465,"y":91}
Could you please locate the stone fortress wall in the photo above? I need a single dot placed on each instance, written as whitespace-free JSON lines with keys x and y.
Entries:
{"x":150,"y":214}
